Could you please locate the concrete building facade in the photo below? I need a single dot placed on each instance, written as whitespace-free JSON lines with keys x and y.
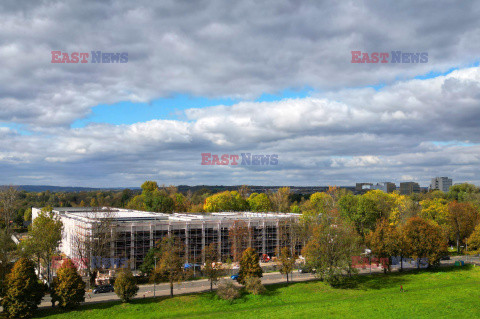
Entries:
{"x":407,"y":188}
{"x":441,"y":183}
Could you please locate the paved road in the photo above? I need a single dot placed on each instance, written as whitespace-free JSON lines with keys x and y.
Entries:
{"x":163,"y":289}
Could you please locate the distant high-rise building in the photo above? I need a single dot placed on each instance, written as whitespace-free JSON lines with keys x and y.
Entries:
{"x":359,"y":187}
{"x":441,"y":183}
{"x":408,"y":188}
{"x":387,"y":187}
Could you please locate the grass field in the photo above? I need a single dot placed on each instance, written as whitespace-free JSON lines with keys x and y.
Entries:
{"x":445,"y":293}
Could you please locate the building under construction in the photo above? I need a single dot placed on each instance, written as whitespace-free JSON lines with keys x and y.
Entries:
{"x":113,"y":237}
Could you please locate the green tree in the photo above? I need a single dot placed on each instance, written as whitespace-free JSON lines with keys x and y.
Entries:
{"x":170,"y":265}
{"x":69,"y":287}
{"x":125,"y":285}
{"x":225,"y":201}
{"x":45,"y":236}
{"x":286,"y":262}
{"x":423,"y":239}
{"x":462,"y":192}
{"x":148,"y":264}
{"x":23,"y":293}
{"x":259,"y":202}
{"x":331,"y":247}
{"x":249,"y":266}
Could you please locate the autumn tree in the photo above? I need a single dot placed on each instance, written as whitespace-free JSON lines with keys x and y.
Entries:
{"x":286,"y":262}
{"x":212,"y":269}
{"x":8,"y":195}
{"x":281,"y":200}
{"x":385,"y":241}
{"x":170,"y":266}
{"x":331,"y":247}
{"x":7,"y":250}
{"x":462,"y":219}
{"x":69,"y":287}
{"x":423,"y":239}
{"x":249,"y":266}
{"x":125,"y":285}
{"x":239,"y":236}
{"x":473,"y":241}
{"x":23,"y":291}
{"x":435,"y":209}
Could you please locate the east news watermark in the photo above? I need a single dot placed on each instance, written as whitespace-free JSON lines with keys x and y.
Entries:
{"x":246,"y":159}
{"x":392,"y":57}
{"x":89,"y":57}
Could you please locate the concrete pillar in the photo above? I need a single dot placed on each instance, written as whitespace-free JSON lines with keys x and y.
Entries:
{"x":187,"y":227}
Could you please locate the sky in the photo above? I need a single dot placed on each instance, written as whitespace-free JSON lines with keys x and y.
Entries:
{"x":223,"y":77}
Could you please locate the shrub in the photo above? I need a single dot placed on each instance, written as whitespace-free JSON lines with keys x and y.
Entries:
{"x":125,"y":285}
{"x":227,"y":291}
{"x":254,"y":286}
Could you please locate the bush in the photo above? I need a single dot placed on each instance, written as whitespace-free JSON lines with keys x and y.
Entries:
{"x":254,"y":286}
{"x":227,"y":291}
{"x":125,"y":285}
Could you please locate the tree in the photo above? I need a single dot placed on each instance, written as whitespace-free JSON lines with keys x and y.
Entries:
{"x":225,"y":201}
{"x":45,"y":236}
{"x":423,"y":239}
{"x":8,"y":196}
{"x":125,"y":285}
{"x":7,"y":248}
{"x":239,"y":236}
{"x":259,"y":202}
{"x":461,"y":192}
{"x":91,"y":245}
{"x":249,"y":266}
{"x":170,"y":265}
{"x":286,"y":262}
{"x":435,"y":209}
{"x":212,"y":269}
{"x":331,"y":247}
{"x":372,"y":206}
{"x":462,"y":219}
{"x":281,"y":200}
{"x":385,"y":241}
{"x":24,"y":293}
{"x":69,"y":287}
{"x":148,"y":265}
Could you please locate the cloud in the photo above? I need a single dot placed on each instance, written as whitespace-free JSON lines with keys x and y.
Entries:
{"x":415,"y":128}
{"x":215,"y":49}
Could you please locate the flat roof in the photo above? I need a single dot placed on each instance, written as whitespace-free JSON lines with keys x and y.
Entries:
{"x":129,"y":215}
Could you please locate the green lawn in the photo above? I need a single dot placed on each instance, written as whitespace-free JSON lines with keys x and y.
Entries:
{"x":447,"y":292}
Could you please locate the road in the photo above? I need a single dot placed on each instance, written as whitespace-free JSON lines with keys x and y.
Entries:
{"x":163,"y":289}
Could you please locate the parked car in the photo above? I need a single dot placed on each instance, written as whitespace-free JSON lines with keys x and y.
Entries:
{"x":103,"y":289}
{"x":445,"y":258}
{"x":234,"y":277}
